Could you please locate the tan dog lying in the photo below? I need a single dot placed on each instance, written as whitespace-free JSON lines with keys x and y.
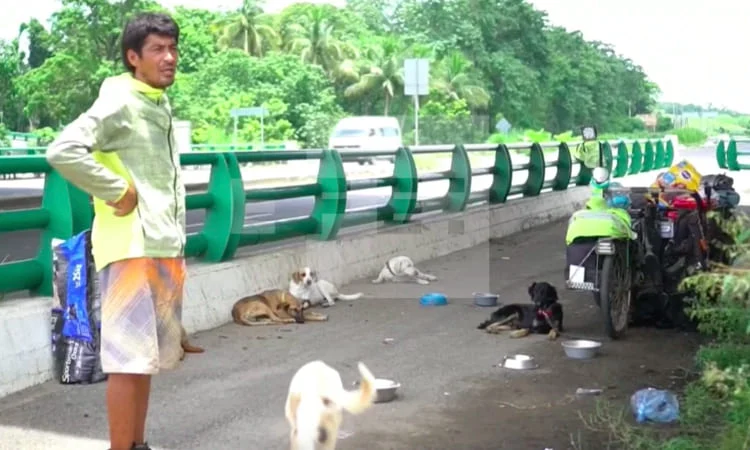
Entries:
{"x":315,"y":402}
{"x":274,"y":306}
{"x":186,"y":346}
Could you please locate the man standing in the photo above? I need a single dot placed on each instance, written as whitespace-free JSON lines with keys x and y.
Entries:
{"x":122,"y":152}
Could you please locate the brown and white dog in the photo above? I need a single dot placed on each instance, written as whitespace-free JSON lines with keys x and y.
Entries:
{"x":316,"y":401}
{"x":312,"y":291}
{"x":274,"y":306}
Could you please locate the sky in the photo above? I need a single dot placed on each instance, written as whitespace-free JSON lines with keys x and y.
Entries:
{"x":693,"y":49}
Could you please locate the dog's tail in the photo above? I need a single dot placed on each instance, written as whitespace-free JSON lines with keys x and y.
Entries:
{"x":190,"y":348}
{"x":358,"y":401}
{"x":349,"y":297}
{"x":484,"y":324}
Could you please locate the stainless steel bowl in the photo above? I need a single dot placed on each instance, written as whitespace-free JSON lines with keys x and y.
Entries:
{"x":581,"y":348}
{"x":385,"y":390}
{"x":519,"y":362}
{"x":485,"y":299}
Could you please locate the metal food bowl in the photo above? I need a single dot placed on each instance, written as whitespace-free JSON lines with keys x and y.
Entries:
{"x":485,"y":299}
{"x":385,"y":390}
{"x":519,"y":362}
{"x":581,"y":348}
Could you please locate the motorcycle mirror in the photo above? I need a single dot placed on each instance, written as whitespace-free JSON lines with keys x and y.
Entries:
{"x":588,"y":133}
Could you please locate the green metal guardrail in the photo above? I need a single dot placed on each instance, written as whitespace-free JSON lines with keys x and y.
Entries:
{"x":727,"y":155}
{"x":66,"y":210}
{"x":14,"y":151}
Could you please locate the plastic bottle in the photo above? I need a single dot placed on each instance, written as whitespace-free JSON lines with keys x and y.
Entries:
{"x":655,"y":405}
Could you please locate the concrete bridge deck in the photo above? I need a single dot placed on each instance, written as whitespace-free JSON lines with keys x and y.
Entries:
{"x":232,"y":396}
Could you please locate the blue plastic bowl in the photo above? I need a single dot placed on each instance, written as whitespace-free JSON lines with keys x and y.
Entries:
{"x":433,"y":299}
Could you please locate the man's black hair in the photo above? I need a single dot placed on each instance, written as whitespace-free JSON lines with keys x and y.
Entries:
{"x":139,"y":27}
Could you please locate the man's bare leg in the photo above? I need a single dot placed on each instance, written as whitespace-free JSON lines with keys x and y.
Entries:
{"x":122,"y":406}
{"x":143,"y":391}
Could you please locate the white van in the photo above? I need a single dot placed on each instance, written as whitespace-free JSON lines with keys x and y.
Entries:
{"x":367,"y":133}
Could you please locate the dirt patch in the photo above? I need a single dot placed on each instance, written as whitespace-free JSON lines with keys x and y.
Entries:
{"x":538,"y":409}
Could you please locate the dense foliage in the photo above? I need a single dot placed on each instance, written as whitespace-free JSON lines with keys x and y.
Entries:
{"x":310,"y":64}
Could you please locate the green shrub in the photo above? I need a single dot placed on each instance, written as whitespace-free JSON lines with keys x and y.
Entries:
{"x":691,"y":137}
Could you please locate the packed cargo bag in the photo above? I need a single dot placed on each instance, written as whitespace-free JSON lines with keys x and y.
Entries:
{"x":76,"y":313}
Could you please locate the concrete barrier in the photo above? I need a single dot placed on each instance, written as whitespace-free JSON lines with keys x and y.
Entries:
{"x":212,"y":289}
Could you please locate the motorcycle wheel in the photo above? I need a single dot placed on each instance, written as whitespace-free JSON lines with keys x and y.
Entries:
{"x":614,"y":294}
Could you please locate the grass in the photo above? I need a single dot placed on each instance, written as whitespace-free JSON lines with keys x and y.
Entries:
{"x":721,"y":124}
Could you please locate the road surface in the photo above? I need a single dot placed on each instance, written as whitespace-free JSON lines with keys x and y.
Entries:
{"x":452,"y":396}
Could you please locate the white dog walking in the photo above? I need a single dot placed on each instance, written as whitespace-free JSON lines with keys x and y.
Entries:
{"x":315,"y":403}
{"x":402,"y":267}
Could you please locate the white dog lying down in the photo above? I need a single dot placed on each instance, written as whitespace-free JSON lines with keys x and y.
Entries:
{"x":315,"y":403}
{"x":306,"y":286}
{"x":400,"y":267}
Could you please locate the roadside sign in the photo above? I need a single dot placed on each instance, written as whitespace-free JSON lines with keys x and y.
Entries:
{"x":416,"y":76}
{"x":416,"y":83}
{"x":257,"y":111}
{"x":503,"y":126}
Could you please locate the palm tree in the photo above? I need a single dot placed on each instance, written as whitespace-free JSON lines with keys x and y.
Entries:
{"x":455,"y":78}
{"x":248,"y":29}
{"x":315,"y":41}
{"x":383,"y":72}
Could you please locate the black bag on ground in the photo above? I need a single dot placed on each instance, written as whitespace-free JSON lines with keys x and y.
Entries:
{"x":76,"y":318}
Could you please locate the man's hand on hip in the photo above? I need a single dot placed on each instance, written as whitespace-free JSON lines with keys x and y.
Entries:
{"x":126,"y":204}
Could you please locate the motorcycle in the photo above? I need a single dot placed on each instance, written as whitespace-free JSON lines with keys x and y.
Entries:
{"x":632,"y":247}
{"x":612,"y":248}
{"x":603,"y":254}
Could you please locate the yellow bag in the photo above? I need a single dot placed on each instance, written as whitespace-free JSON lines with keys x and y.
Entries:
{"x":682,"y":175}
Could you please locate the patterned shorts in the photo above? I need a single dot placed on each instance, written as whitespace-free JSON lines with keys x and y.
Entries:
{"x":141,"y":315}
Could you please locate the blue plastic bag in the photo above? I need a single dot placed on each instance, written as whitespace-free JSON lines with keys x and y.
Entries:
{"x":76,"y":316}
{"x":655,"y":405}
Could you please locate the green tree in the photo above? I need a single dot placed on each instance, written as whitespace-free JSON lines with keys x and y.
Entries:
{"x":383,"y":73}
{"x":248,"y":29}
{"x":315,"y":40}
{"x":456,"y":78}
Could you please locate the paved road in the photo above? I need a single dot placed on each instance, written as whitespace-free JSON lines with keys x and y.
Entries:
{"x":232,"y":397}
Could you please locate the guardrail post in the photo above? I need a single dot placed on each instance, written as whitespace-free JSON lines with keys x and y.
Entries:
{"x":564,"y":168}
{"x":56,"y":201}
{"x":81,"y":209}
{"x":669,"y":155}
{"x":238,"y":204}
{"x":659,"y":155}
{"x":648,"y":157}
{"x":502,"y":175}
{"x":459,"y":186}
{"x":404,"y":197}
{"x":222,"y":215}
{"x":636,"y":159}
{"x":732,"y":162}
{"x":609,"y":161}
{"x":721,"y":155}
{"x":330,"y":203}
{"x":535,"y":180}
{"x":621,"y":169}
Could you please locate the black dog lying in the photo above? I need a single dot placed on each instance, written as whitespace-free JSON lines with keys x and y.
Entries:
{"x":543,"y":316}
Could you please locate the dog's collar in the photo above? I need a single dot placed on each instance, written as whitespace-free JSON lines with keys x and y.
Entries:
{"x":544,"y":313}
{"x":388,"y":266}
